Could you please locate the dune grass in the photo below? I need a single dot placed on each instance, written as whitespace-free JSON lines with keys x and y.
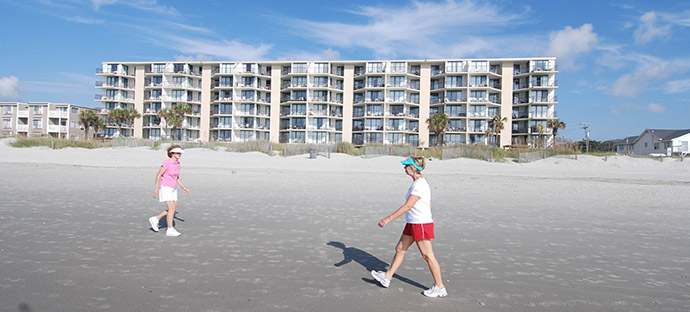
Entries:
{"x":57,"y":143}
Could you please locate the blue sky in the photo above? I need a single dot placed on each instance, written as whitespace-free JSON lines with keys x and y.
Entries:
{"x":624,"y":65}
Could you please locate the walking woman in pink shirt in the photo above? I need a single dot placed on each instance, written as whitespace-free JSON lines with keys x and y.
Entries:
{"x":167,"y":179}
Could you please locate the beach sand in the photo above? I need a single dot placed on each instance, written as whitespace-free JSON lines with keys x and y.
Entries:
{"x":264,"y":233}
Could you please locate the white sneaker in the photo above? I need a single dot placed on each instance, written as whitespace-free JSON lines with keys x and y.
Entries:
{"x":172,"y":232}
{"x":436,"y":292}
{"x":154,"y":223}
{"x":380,"y":276}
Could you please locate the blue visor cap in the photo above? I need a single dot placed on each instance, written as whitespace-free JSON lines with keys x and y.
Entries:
{"x":410,"y":161}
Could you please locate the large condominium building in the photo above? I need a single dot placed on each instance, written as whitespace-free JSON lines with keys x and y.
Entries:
{"x":59,"y":120}
{"x":361,"y":102}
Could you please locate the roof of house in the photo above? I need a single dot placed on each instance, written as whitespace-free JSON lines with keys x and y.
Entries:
{"x":666,"y":135}
{"x":626,"y":141}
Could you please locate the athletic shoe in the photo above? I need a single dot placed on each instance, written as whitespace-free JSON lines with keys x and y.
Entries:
{"x":154,"y":223}
{"x":172,"y":232}
{"x":380,"y":276}
{"x":436,"y":292}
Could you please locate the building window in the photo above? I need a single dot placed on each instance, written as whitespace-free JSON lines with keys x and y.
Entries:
{"x":397,"y":67}
{"x":479,"y":66}
{"x":454,"y":67}
{"x":75,"y":110}
{"x":299,"y":68}
{"x":37,"y":123}
{"x":321,"y":68}
{"x":656,"y":146}
{"x":7,"y":123}
{"x":226,"y":68}
{"x":374,"y":67}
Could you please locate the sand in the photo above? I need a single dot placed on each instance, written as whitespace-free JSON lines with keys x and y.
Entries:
{"x":264,"y":233}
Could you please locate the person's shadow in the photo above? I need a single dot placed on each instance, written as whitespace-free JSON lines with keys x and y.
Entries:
{"x":369,"y":262}
{"x":163,"y":223}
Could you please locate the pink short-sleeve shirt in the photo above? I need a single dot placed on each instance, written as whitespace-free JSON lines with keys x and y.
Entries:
{"x":172,"y":172}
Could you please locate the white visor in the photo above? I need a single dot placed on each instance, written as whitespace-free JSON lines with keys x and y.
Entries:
{"x":177,"y":150}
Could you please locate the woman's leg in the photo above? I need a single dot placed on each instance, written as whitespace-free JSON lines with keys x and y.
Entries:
{"x":172,"y":207}
{"x":400,"y":249}
{"x":162,"y":214}
{"x":428,"y":255}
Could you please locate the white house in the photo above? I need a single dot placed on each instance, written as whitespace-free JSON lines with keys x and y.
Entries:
{"x":658,"y":141}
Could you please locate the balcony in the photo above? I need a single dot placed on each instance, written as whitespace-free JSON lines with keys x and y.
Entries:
{"x":541,"y":99}
{"x":58,"y":114}
{"x":23,"y":113}
{"x":22,"y":128}
{"x":547,"y":68}
{"x":456,"y":129}
{"x":455,"y":100}
{"x":57,"y":128}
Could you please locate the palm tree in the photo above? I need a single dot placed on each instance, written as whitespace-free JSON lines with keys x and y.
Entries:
{"x":497,"y":125}
{"x":87,"y":118}
{"x":174,"y":117}
{"x":130,"y":115}
{"x":540,"y":130}
{"x":98,"y":124}
{"x":118,"y":116}
{"x":555,"y":124}
{"x":438,"y":123}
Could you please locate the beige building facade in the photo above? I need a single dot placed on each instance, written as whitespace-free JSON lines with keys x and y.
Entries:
{"x":58,"y":120}
{"x":325,"y":102}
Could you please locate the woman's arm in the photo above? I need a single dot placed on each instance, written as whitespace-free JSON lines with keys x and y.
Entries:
{"x":158,"y":181}
{"x":411,"y":200}
{"x":179,"y":181}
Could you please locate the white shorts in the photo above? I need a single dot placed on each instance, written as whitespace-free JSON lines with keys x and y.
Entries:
{"x":166,"y":193}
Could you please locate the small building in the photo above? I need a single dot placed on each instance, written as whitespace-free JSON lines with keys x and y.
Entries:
{"x":58,"y":120}
{"x":655,"y":141}
{"x":624,"y":146}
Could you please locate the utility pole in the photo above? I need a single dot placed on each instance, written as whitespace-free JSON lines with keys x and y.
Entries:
{"x":586,"y":127}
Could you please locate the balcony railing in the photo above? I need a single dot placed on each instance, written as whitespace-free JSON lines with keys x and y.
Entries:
{"x":58,"y":114}
{"x":22,"y":128}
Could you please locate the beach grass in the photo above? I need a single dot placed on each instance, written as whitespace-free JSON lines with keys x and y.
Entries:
{"x":57,"y":143}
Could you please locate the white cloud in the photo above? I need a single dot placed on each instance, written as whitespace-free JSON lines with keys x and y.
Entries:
{"x":413,"y":30}
{"x":648,"y":69}
{"x":83,"y":20}
{"x":224,"y":49}
{"x":656,"y":108}
{"x":570,"y":43}
{"x":678,"y":18}
{"x":678,"y":86}
{"x":144,"y":5}
{"x":328,"y":54}
{"x":190,"y":58}
{"x":648,"y":30}
{"x":10,"y":88}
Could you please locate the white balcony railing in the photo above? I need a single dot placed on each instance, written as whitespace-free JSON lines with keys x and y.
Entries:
{"x":22,"y":128}
{"x":23,"y":113}
{"x":58,"y":114}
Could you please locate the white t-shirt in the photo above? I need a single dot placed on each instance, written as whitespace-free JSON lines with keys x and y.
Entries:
{"x":421,"y":211}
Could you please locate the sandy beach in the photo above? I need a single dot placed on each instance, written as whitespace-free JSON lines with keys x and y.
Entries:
{"x":270,"y":233}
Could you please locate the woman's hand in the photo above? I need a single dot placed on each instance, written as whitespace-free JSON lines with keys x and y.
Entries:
{"x":155,"y":193}
{"x":186,"y":191}
{"x":383,"y":222}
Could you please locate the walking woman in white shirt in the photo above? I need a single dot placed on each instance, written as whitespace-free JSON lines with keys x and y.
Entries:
{"x":419,"y":228}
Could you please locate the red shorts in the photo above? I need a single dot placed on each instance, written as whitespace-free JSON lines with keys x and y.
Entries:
{"x":419,"y":231}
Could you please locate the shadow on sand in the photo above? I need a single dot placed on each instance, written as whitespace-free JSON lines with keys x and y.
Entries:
{"x":163,"y":223}
{"x":369,"y":262}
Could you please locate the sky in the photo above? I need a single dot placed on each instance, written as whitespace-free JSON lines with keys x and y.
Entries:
{"x":624,"y":66}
